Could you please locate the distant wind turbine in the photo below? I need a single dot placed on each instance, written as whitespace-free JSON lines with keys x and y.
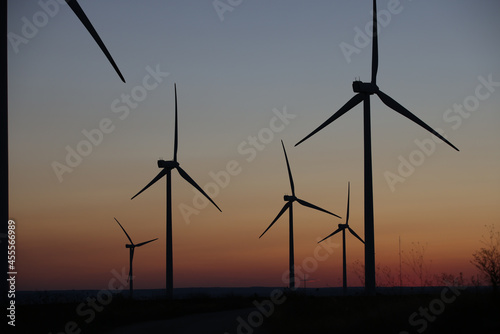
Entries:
{"x":166,"y":169}
{"x":306,"y":279}
{"x":364,"y":90}
{"x":343,"y":227}
{"x":289,"y":206}
{"x":73,"y":4}
{"x":132,"y":246}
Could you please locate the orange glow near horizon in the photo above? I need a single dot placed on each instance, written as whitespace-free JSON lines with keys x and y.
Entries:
{"x":225,"y":253}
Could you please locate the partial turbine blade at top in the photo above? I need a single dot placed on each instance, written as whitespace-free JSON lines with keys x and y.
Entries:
{"x":176,"y":138}
{"x":312,"y":206}
{"x":289,"y":170}
{"x":355,"y":100}
{"x":124,"y":231}
{"x":375,"y":44}
{"x":145,"y":242}
{"x":405,"y":112}
{"x":194,"y":184}
{"x":73,"y":4}
{"x":287,"y":205}
{"x":354,"y":233}
{"x":331,"y":234}
{"x":157,"y":177}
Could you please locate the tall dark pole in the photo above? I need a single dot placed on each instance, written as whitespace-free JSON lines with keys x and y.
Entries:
{"x":4,"y":183}
{"x":131,"y":275}
{"x":292,"y":265}
{"x":344,"y":272}
{"x":369,"y":228}
{"x":170,"y":270}
{"x":400,"y":268}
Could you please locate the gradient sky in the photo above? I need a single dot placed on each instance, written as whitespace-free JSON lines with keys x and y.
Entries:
{"x":231,"y":74}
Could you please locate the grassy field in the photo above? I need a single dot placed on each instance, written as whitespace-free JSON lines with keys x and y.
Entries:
{"x":448,"y":312}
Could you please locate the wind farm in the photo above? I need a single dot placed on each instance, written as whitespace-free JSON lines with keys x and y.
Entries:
{"x":247,"y":78}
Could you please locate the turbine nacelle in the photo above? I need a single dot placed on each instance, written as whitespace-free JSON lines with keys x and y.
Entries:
{"x":129,"y":246}
{"x":289,"y":198}
{"x":364,"y":87}
{"x":168,"y":164}
{"x":342,"y":226}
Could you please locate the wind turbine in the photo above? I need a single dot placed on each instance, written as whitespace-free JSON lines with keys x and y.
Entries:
{"x":73,"y":4}
{"x":364,"y":90}
{"x":343,"y":227}
{"x":289,"y":206}
{"x":132,"y":246}
{"x":166,"y":169}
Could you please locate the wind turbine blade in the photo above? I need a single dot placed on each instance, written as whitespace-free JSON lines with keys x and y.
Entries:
{"x":73,"y":4}
{"x":287,"y":205}
{"x":348,"y":196}
{"x":124,"y":231}
{"x":194,"y":184}
{"x":157,"y":177}
{"x":304,"y":203}
{"x":354,"y":233}
{"x":145,"y":242}
{"x":355,"y":100}
{"x":375,"y":44}
{"x":176,"y":139}
{"x":289,"y":170}
{"x":405,"y":112}
{"x":331,"y":234}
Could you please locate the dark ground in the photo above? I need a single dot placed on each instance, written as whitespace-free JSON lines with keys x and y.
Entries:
{"x":468,"y":312}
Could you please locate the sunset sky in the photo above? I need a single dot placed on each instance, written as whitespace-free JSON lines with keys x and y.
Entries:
{"x":238,"y":72}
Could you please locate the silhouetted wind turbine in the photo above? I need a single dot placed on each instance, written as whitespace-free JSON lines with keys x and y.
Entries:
{"x":132,"y":246}
{"x":364,"y":90}
{"x":289,"y":206}
{"x":73,"y":4}
{"x":166,"y":169}
{"x":305,"y":280}
{"x":343,"y":227}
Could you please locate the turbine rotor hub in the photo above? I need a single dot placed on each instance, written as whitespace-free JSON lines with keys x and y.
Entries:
{"x":289,"y":198}
{"x":168,"y":164}
{"x":364,"y":87}
{"x":342,"y":226}
{"x":129,"y":246}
